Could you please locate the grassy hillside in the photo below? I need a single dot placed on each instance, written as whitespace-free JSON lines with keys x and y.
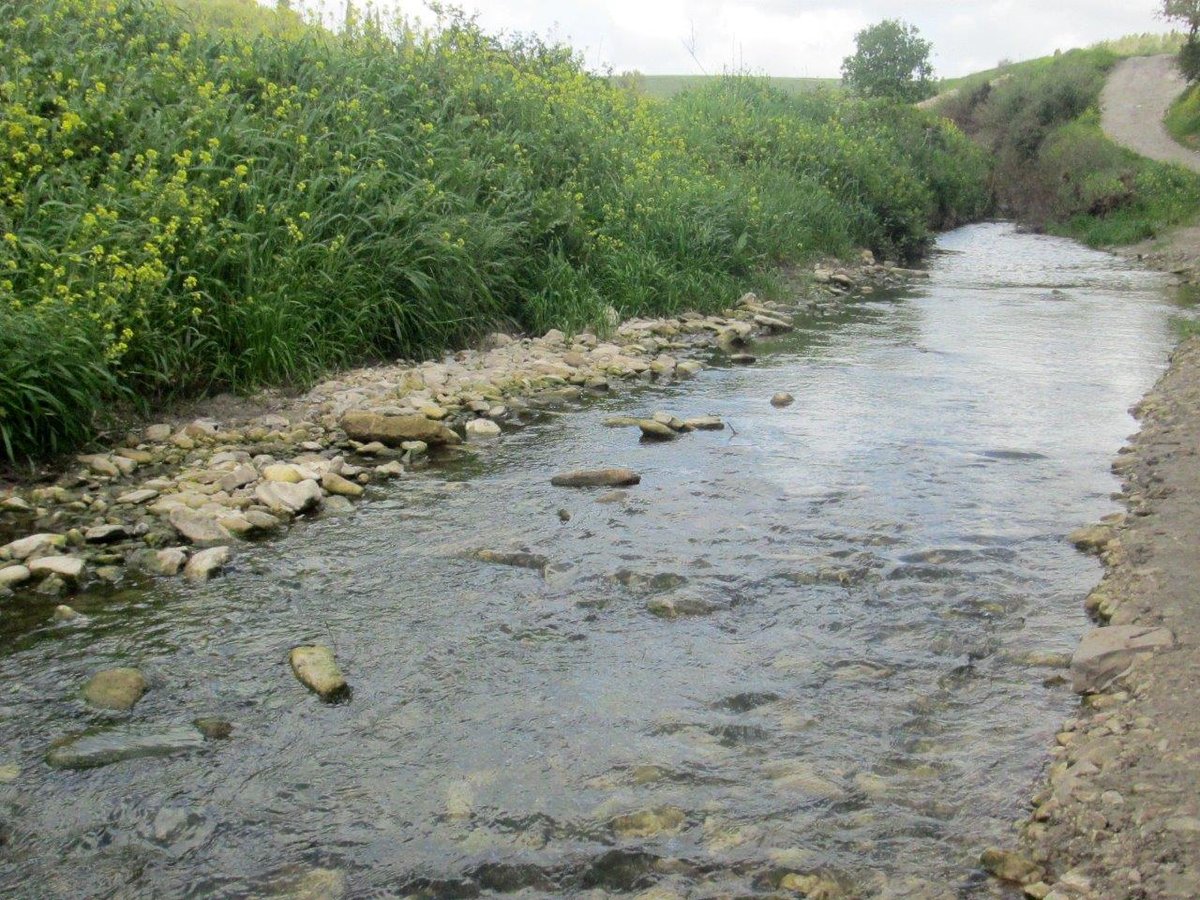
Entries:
{"x":663,"y":87}
{"x":187,"y":206}
{"x":1130,"y":45}
{"x":1054,"y":167}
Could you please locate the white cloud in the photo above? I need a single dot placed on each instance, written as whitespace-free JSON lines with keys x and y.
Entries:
{"x":800,"y":37}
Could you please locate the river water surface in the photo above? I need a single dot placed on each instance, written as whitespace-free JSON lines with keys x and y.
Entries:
{"x":882,"y":578}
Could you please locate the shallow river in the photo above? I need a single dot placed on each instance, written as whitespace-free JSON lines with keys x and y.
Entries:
{"x":882,"y":570}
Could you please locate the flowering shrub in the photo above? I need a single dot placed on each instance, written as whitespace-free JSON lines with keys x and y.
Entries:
{"x":184,"y":209}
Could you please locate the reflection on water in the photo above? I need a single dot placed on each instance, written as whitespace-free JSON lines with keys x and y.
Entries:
{"x":804,"y":645}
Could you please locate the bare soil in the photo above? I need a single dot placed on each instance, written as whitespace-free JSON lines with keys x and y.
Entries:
{"x":1134,"y":102}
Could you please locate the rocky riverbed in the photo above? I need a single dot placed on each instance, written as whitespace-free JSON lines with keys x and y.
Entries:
{"x":177,"y":499}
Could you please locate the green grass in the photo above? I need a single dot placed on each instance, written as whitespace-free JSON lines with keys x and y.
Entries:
{"x":1183,"y":118}
{"x":1054,"y":167}
{"x":191,"y":203}
{"x":663,"y":87}
{"x":1118,"y":48}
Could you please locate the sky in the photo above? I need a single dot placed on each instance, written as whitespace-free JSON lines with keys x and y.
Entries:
{"x":798,"y":37}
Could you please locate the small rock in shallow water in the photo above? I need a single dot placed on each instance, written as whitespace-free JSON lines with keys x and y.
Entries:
{"x":105,"y":534}
{"x":117,"y":689}
{"x":289,"y":499}
{"x":317,"y":670}
{"x":337,"y":485}
{"x":482,"y":428}
{"x":783,"y":398}
{"x":206,"y":564}
{"x":34,"y":545}
{"x":596,"y":478}
{"x":520,"y":559}
{"x":677,"y":607}
{"x":564,"y":515}
{"x":656,"y":431}
{"x":201,"y":528}
{"x":64,"y":613}
{"x":743,"y":359}
{"x":1092,"y":539}
{"x":649,"y":822}
{"x":169,"y":561}
{"x":213,"y":729}
{"x":1009,"y":866}
{"x":705,"y":423}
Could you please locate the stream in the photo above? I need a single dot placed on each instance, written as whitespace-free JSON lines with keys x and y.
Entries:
{"x":862,"y":683}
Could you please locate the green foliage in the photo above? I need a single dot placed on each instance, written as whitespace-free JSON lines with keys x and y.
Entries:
{"x":1183,"y":118}
{"x":1055,"y":168}
{"x":664,"y":87}
{"x":187,"y":208}
{"x":891,"y":60}
{"x":1189,"y":59}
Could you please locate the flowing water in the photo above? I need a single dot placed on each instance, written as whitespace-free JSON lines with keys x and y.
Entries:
{"x":877,"y":575}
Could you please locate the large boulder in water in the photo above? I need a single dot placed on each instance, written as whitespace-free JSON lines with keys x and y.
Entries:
{"x":363,"y":425}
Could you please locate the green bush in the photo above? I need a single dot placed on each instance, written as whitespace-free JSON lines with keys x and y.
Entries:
{"x":188,"y":208}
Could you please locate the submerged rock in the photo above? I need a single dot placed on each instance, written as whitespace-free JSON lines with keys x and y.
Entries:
{"x":113,"y":745}
{"x":213,"y":729}
{"x":317,"y":670}
{"x":649,"y":822}
{"x":117,"y":689}
{"x":677,"y":607}
{"x":519,"y":558}
{"x":597,"y":478}
{"x":392,"y":431}
{"x":1009,"y":866}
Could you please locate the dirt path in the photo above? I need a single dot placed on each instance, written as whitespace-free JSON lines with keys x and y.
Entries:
{"x":1134,"y":101}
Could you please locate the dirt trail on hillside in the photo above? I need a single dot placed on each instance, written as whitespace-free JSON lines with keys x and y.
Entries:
{"x":1134,"y":101}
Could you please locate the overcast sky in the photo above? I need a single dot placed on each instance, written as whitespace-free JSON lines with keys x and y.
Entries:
{"x":802,"y":37}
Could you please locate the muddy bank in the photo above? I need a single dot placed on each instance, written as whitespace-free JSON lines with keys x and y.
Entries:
{"x":1119,"y":815}
{"x":177,"y":498}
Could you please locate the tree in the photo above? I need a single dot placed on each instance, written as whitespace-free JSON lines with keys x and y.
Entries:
{"x":891,"y":61}
{"x":1187,"y":12}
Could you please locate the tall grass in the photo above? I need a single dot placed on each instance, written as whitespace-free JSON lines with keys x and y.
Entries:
{"x":1183,"y":118}
{"x":186,"y":208}
{"x":1053,"y":165}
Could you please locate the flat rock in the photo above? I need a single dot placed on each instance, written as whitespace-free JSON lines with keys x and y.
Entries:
{"x":596,"y":478}
{"x":206,"y":564}
{"x":68,"y":568}
{"x":113,"y":745}
{"x":679,"y":607}
{"x":316,"y":668}
{"x":392,"y":431}
{"x":518,"y":558}
{"x":201,"y":528}
{"x":34,"y":545}
{"x":1106,"y":653}
{"x":704,"y":423}
{"x":117,"y":689}
{"x":134,"y":498}
{"x":656,"y":431}
{"x":106,"y":534}
{"x":14,"y":575}
{"x":289,"y":499}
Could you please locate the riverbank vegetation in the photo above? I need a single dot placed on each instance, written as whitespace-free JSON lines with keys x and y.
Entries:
{"x":187,"y":208}
{"x":1183,"y":118}
{"x":1053,"y":165}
